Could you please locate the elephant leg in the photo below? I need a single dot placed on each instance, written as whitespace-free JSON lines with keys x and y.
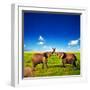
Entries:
{"x":63,"y":62}
{"x":33,"y":66}
{"x":46,"y":64}
{"x":42,"y":65}
{"x":74,"y":64}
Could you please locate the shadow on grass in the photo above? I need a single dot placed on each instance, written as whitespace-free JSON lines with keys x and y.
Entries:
{"x":61,"y":66}
{"x":52,"y":66}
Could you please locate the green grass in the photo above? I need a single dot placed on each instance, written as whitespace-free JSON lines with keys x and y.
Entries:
{"x":54,"y":66}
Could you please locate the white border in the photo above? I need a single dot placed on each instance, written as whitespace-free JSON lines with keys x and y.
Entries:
{"x":16,"y":68}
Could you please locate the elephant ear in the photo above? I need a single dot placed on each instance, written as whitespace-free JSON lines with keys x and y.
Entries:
{"x":63,"y":55}
{"x":45,"y":55}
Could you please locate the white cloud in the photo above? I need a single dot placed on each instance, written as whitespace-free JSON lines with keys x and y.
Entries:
{"x":40,"y":43}
{"x":74,"y":42}
{"x":44,"y":46}
{"x":41,"y":38}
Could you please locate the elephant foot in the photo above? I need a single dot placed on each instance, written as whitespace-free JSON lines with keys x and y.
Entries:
{"x":64,"y":66}
{"x":33,"y":69}
{"x":75,"y":68}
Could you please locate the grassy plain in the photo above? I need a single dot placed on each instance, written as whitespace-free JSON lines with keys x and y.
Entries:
{"x":54,"y":66}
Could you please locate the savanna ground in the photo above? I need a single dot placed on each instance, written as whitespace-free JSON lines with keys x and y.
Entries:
{"x":54,"y":66}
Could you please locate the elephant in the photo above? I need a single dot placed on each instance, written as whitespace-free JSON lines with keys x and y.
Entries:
{"x":28,"y":72}
{"x":40,"y":58}
{"x":67,"y":58}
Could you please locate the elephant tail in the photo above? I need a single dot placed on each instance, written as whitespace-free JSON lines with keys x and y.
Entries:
{"x":75,"y":57}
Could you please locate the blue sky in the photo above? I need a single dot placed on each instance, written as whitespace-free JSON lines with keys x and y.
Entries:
{"x":43,"y":31}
